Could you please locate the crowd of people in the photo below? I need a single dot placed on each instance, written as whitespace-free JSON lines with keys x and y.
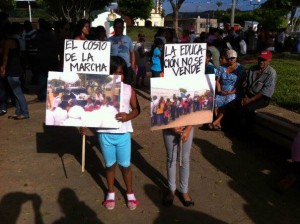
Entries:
{"x":165,"y":110}
{"x":64,"y":109}
{"x":238,"y":92}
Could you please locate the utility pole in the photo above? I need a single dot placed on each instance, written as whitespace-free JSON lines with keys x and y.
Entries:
{"x":232,"y":13}
{"x":29,"y":10}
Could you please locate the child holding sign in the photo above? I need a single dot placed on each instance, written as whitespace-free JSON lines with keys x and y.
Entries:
{"x":116,"y":143}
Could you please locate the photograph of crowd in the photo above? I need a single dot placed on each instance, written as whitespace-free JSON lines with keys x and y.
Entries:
{"x":181,"y":101}
{"x":83,"y":100}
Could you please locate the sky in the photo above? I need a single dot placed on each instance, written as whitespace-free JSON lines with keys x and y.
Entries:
{"x":204,"y":5}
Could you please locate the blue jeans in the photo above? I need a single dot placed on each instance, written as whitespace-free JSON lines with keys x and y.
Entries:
{"x":21,"y":104}
{"x":3,"y":106}
{"x":172,"y":144}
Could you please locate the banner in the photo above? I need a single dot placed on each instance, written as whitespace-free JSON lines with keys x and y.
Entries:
{"x":83,"y":100}
{"x":184,"y":59}
{"x":86,"y":56}
{"x":182,"y":101}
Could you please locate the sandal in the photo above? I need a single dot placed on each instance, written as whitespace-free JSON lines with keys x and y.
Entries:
{"x":132,"y":204}
{"x":12,"y":116}
{"x":109,"y":204}
{"x":186,"y":203}
{"x":213,"y":127}
{"x":20,"y":117}
{"x":168,"y":199}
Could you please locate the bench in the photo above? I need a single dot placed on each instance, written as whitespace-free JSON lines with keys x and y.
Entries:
{"x":277,"y":125}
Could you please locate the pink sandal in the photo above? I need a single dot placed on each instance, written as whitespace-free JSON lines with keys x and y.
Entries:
{"x":109,"y":204}
{"x":132,"y":204}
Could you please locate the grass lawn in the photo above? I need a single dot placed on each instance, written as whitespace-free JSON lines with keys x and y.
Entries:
{"x":149,"y":32}
{"x":287,"y":92}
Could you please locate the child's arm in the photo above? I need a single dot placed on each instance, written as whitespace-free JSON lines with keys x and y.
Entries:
{"x":135,"y":109}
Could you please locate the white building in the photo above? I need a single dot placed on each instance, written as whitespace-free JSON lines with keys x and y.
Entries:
{"x":156,"y":17}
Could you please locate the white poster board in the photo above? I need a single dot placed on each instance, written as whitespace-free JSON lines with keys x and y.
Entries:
{"x":181,"y":101}
{"x":83,"y":100}
{"x":87,"y":56}
{"x":184,"y":59}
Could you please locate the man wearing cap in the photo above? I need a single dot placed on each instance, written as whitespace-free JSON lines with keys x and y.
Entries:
{"x":259,"y":87}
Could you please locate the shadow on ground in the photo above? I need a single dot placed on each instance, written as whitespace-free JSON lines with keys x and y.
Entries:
{"x":255,"y":169}
{"x":176,"y":214}
{"x":75,"y":211}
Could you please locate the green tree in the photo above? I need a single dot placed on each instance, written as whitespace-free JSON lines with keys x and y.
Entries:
{"x":72,"y":10}
{"x":182,"y":90}
{"x":7,"y":5}
{"x":283,"y":8}
{"x":136,"y":8}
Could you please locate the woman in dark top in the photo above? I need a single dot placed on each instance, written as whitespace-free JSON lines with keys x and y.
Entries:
{"x":11,"y":68}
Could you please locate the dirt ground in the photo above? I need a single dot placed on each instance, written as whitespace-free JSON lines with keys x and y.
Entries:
{"x":230,"y":181}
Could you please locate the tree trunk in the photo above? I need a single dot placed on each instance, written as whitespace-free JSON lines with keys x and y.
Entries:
{"x":175,"y":20}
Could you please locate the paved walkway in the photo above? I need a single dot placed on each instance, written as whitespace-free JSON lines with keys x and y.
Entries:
{"x":230,"y":181}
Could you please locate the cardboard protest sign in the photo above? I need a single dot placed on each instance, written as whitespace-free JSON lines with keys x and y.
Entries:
{"x":83,"y":100}
{"x":86,"y":56}
{"x":180,"y":101}
{"x":184,"y":59}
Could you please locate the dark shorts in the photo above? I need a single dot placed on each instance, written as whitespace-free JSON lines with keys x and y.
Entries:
{"x":131,"y":75}
{"x":155,"y":74}
{"x":141,"y":72}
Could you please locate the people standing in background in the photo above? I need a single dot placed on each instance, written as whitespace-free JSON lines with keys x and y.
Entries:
{"x":121,"y":45}
{"x":82,"y":30}
{"x":11,"y":67}
{"x":156,"y":55}
{"x":29,"y":35}
{"x":215,"y":53}
{"x":185,"y":37}
{"x":141,"y":61}
{"x":4,"y":22}
{"x":19,"y":36}
{"x":210,"y":68}
{"x":62,"y":31}
{"x":100,"y":33}
{"x":280,"y":40}
{"x":47,"y":56}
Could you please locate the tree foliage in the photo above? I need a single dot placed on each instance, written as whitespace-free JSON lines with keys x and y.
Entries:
{"x":219,"y":4}
{"x":7,"y":5}
{"x":72,"y":10}
{"x":136,"y":8}
{"x":282,"y":8}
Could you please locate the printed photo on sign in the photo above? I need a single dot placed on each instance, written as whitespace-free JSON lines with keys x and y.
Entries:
{"x":83,"y":100}
{"x":87,"y":56}
{"x":184,"y":59}
{"x":181,"y":101}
